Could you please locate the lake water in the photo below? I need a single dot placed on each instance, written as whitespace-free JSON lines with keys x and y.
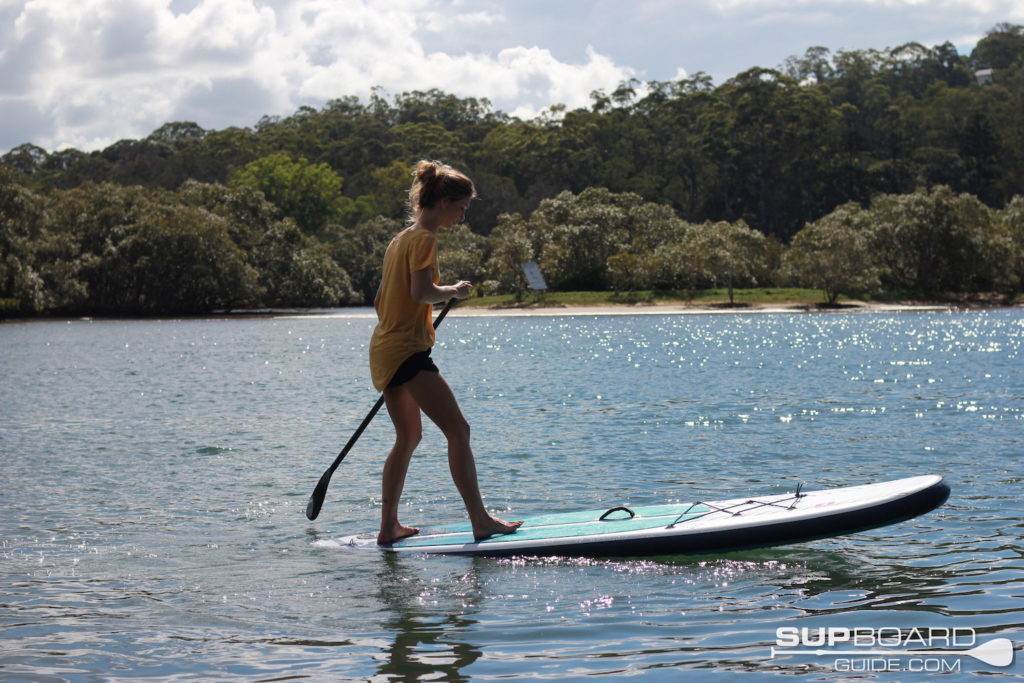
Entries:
{"x":155,"y":476}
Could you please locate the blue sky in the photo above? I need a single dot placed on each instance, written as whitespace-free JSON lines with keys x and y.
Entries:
{"x":86,"y":73}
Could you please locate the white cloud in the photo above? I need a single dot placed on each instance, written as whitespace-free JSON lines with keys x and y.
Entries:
{"x":1011,"y":9}
{"x":442,"y":22}
{"x":85,"y":73}
{"x":102,"y":70}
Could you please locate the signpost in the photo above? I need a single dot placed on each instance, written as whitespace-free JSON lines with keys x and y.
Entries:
{"x":534,"y":279}
{"x":533,"y":276}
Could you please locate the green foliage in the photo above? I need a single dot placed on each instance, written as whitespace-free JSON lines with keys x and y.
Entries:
{"x":657,"y":186}
{"x":932,"y":242}
{"x":774,"y":148}
{"x":109,"y":249}
{"x":834,"y":253}
{"x":510,"y":246}
{"x":360,"y":252}
{"x":730,"y":254}
{"x":299,"y":273}
{"x":461,"y":254}
{"x":1001,"y":48}
{"x":22,"y":288}
{"x":117,"y":250}
{"x":308,"y":193}
{"x":578,"y":235}
{"x":1007,"y":243}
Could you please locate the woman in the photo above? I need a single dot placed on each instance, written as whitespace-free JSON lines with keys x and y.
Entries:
{"x":400,"y":349}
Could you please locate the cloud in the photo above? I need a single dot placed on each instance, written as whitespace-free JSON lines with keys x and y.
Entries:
{"x":86,"y":73}
{"x":95,"y":71}
{"x":977,"y":5}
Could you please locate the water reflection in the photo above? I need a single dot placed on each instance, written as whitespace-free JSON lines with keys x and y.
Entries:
{"x":431,"y":621}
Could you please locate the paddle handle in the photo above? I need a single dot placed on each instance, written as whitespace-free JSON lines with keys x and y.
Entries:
{"x":316,"y":500}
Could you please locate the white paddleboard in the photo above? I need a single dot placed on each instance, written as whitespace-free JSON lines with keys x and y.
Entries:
{"x":683,"y":528}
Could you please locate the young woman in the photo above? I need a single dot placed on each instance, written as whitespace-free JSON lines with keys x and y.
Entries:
{"x":400,"y":361}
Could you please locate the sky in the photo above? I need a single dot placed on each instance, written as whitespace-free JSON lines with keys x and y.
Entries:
{"x":87,"y":73}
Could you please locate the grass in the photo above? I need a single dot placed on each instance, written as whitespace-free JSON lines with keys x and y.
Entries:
{"x":708,"y":297}
{"x":719,"y":298}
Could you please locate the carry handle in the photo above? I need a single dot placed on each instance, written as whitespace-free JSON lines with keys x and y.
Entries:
{"x":620,"y":508}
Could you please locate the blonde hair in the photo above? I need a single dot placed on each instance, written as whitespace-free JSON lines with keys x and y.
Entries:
{"x":435,"y":181}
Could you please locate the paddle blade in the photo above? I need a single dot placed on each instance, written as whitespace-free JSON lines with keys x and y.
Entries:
{"x":316,"y":500}
{"x":998,"y":652}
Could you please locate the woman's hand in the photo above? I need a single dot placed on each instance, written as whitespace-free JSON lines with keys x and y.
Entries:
{"x":462,"y":289}
{"x":423,"y":289}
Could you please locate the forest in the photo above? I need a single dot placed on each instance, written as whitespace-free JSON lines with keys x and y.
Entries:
{"x":891,"y":173}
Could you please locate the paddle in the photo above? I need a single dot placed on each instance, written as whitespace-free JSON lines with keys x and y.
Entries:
{"x":316,"y":501}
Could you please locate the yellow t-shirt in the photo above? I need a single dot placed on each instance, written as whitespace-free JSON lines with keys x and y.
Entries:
{"x":404,"y":326}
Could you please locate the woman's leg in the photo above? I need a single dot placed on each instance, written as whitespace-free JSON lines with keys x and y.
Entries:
{"x":433,"y":395}
{"x":405,"y":414}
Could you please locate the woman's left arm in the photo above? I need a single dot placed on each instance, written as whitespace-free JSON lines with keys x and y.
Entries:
{"x":423,"y":289}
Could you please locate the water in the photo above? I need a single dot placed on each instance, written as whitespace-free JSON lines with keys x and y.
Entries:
{"x":156,"y":473}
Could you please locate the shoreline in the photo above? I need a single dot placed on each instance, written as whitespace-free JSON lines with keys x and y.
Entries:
{"x":538,"y":310}
{"x":682,"y":308}
{"x":535,"y":310}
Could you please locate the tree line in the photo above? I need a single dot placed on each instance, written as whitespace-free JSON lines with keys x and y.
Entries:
{"x":861,"y":171}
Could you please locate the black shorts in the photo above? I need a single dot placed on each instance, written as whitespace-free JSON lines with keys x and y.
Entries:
{"x":411,"y":367}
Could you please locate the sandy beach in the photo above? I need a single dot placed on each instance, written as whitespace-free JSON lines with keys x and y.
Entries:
{"x":682,"y":308}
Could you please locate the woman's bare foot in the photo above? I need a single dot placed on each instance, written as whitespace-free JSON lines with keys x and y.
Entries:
{"x":395,"y":533}
{"x":494,"y":527}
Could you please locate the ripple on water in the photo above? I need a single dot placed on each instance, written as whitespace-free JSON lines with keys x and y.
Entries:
{"x":156,"y":474}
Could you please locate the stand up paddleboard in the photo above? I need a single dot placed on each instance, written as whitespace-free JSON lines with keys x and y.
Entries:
{"x":716,"y":526}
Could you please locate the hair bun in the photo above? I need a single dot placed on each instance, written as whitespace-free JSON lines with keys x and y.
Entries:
{"x":426,"y":171}
{"x":436,"y":181}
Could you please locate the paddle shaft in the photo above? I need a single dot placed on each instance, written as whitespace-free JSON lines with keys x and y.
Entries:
{"x":316,"y":500}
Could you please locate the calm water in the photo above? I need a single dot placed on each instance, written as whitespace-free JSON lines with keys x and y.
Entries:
{"x":155,"y":476}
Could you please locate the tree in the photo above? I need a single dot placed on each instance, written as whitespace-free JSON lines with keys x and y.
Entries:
{"x":659,"y":253}
{"x":430,"y":140}
{"x":297,"y":271}
{"x":815,"y":65}
{"x":140,"y":251}
{"x":579,"y":233}
{"x":391,"y":188}
{"x":676,"y":263}
{"x":360,"y":252}
{"x":306,"y":192}
{"x":182,"y":260}
{"x":177,"y":132}
{"x":510,"y":247}
{"x":1008,"y":240}
{"x":1001,"y":48}
{"x":774,"y":140}
{"x":833,"y":253}
{"x":932,"y":241}
{"x":730,"y":254}
{"x":26,"y":158}
{"x":461,"y":254}
{"x":22,"y":214}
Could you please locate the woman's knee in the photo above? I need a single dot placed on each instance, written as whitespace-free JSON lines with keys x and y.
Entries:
{"x":408,"y":439}
{"x":457,"y":429}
